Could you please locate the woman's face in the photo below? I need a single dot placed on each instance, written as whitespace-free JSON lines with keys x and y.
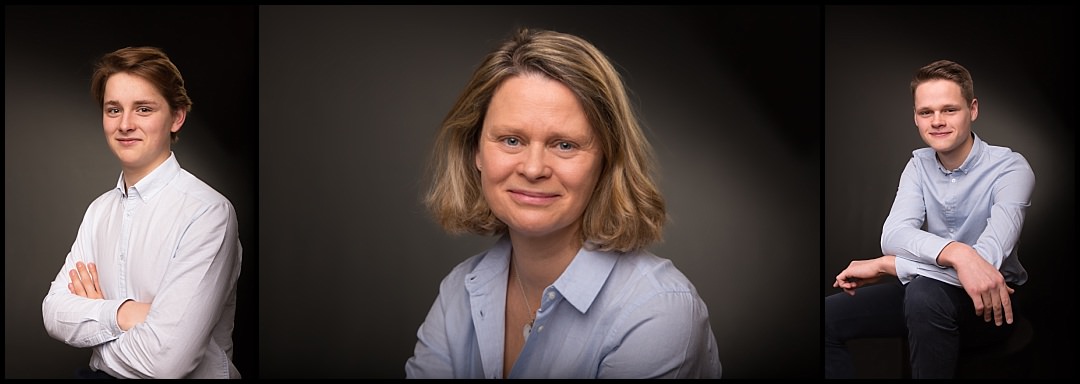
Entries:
{"x":539,"y":159}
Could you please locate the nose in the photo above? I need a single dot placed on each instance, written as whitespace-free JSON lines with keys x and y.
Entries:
{"x":533,"y":165}
{"x":937,"y":121}
{"x":127,"y":123}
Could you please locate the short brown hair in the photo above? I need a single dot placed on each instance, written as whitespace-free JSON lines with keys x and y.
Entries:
{"x":626,"y":210}
{"x":946,"y":70}
{"x":149,"y":63}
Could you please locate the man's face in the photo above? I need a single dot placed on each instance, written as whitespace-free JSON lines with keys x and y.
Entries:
{"x":138,"y":122}
{"x":944,"y":118}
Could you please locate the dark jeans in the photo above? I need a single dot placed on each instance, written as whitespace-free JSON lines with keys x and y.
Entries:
{"x":937,"y":318}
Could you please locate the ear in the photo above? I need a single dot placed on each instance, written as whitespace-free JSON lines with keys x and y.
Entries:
{"x":178,"y":120}
{"x":974,"y":109}
{"x":478,"y":166}
{"x":914,"y":116}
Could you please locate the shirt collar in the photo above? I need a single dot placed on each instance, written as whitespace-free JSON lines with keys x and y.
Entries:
{"x":582,"y":280}
{"x":579,"y":284}
{"x":153,"y":182}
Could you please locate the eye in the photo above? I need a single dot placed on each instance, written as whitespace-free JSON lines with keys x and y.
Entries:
{"x":111,"y":110}
{"x":511,"y":141}
{"x":565,"y":146}
{"x":924,"y":113}
{"x":144,"y":110}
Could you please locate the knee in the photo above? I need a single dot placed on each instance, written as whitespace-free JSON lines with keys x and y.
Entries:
{"x":927,"y":302}
{"x":835,"y":331}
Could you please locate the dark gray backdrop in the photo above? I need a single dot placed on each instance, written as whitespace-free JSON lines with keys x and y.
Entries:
{"x":56,"y":160}
{"x":350,"y":100}
{"x":1022,"y":61}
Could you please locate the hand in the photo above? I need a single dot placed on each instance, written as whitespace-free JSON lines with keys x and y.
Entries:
{"x":131,"y":313}
{"x":84,"y":281}
{"x":860,"y":273}
{"x":982,"y":282}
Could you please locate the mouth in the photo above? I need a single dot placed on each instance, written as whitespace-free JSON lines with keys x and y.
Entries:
{"x":533,"y":197}
{"x":939,"y":134}
{"x":127,"y":141}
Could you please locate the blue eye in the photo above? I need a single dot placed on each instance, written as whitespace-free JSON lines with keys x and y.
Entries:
{"x":565,"y":146}
{"x":511,"y":141}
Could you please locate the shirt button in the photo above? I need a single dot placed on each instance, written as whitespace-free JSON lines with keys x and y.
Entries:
{"x":551,"y":295}
{"x":540,"y":328}
{"x":953,"y":180}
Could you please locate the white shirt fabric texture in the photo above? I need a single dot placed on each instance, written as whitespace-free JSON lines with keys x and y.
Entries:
{"x":170,"y":240}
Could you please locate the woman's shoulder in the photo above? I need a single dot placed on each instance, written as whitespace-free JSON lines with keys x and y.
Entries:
{"x":657,"y":272}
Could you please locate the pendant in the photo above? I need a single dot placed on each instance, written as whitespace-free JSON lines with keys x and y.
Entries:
{"x":526,"y":330}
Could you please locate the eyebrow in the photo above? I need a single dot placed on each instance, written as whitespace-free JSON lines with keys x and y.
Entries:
{"x":950,"y":105}
{"x":137,"y":102}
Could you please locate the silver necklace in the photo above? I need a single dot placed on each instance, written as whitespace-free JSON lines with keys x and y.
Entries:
{"x":532,"y":315}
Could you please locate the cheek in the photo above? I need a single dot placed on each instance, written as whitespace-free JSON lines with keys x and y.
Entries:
{"x":494,"y":165}
{"x":581,"y":177}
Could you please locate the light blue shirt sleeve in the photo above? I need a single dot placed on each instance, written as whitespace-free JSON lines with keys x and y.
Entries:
{"x":982,"y":204}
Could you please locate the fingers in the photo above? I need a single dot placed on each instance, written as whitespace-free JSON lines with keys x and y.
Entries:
{"x":84,"y":281}
{"x":1006,"y":304}
{"x":848,"y":284}
{"x":76,"y":283}
{"x":87,"y":279}
{"x":997,"y":305}
{"x":94,"y":277}
{"x":988,"y":306}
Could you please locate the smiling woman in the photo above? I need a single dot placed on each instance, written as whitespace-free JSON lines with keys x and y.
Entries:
{"x":543,"y":150}
{"x":537,"y":158}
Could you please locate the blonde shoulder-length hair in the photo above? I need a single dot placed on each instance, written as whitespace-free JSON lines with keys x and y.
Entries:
{"x":626,"y":211}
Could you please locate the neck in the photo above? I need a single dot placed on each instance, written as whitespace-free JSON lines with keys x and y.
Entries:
{"x":540,"y":260}
{"x":133,"y":175}
{"x":953,"y":160}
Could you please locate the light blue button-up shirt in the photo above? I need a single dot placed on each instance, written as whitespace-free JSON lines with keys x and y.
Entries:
{"x":609,"y":315}
{"x":981,"y":204}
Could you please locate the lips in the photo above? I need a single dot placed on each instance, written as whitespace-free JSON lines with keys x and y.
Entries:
{"x":533,"y":197}
{"x":128,"y":141}
{"x":939,"y":134}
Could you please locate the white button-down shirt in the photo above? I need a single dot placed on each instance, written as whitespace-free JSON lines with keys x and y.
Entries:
{"x":170,"y":240}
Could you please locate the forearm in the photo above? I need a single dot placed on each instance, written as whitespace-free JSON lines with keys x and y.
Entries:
{"x":902,"y":233}
{"x":78,"y":321}
{"x":178,"y":329}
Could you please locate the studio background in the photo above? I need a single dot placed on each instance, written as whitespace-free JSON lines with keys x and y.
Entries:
{"x":350,"y":101}
{"x":56,"y":160}
{"x":1022,"y":61}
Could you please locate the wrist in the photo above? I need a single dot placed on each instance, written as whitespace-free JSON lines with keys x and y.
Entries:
{"x":887,"y":265}
{"x":953,"y":254}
